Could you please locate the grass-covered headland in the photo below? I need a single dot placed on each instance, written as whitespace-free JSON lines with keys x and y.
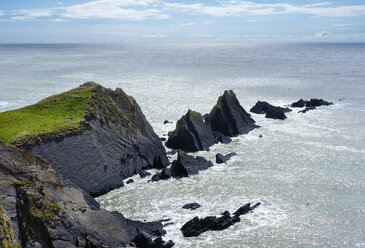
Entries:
{"x":54,"y":116}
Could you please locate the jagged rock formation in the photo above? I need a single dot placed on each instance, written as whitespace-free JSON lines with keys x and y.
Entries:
{"x":187,"y":165}
{"x":47,"y":210}
{"x":197,"y":226}
{"x":220,"y":159}
{"x":271,"y":111}
{"x":311,"y":103}
{"x":191,"y":133}
{"x":184,"y":166}
{"x":114,"y":141}
{"x":226,"y":119}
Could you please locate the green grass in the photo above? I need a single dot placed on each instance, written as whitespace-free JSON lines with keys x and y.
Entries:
{"x":56,"y":113}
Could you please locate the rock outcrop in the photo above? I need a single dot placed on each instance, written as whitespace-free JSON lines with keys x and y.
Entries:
{"x":116,"y":142}
{"x":228,"y":116}
{"x":313,"y":102}
{"x":271,"y":111}
{"x":197,"y":226}
{"x":220,"y":159}
{"x":191,"y":134}
{"x":187,"y":165}
{"x":196,"y":133}
{"x":47,"y":210}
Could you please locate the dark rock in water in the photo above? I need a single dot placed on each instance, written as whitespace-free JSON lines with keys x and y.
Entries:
{"x":317,"y":102}
{"x":187,"y":165}
{"x":163,"y":139}
{"x":298,"y":104}
{"x":219,"y":158}
{"x":191,"y":206}
{"x":117,"y":143}
{"x":166,"y":122}
{"x":219,"y":137}
{"x":311,"y":103}
{"x":143,"y":240}
{"x":260,"y":136}
{"x":307,"y":109}
{"x":144,"y":173}
{"x":228,"y":116}
{"x":270,"y":110}
{"x":48,"y":210}
{"x":275,"y":113}
{"x":197,"y":226}
{"x":130,"y":181}
{"x":163,"y":175}
{"x":191,"y":134}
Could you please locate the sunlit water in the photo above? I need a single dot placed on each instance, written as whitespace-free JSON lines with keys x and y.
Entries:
{"x":307,"y":171}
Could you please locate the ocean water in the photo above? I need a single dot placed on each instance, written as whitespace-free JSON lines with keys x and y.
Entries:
{"x":308,"y":171}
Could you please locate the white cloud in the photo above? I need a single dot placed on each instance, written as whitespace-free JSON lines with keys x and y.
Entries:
{"x":236,"y":8}
{"x":322,"y":35}
{"x":32,"y":14}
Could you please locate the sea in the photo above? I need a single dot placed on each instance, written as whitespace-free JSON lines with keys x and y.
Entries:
{"x":307,"y":171}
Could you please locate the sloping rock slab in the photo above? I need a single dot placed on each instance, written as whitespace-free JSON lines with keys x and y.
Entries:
{"x":197,"y":226}
{"x":49,"y":211}
{"x":191,"y":134}
{"x":187,"y":165}
{"x":229,"y":117}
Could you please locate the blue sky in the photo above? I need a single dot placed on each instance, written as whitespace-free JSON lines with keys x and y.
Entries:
{"x":95,"y":21}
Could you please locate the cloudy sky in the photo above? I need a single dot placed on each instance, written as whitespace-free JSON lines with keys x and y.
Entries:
{"x":37,"y":21}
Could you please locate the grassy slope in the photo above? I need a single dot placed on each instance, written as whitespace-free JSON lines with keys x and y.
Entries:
{"x":47,"y":116}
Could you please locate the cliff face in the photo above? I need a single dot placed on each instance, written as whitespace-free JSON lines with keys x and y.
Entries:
{"x":48,"y":211}
{"x":113,"y":141}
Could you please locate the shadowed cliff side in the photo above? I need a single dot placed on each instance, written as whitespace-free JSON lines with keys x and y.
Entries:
{"x":48,"y":211}
{"x":112,"y":141}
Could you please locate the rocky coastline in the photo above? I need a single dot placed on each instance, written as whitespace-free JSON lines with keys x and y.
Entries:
{"x":48,"y":180}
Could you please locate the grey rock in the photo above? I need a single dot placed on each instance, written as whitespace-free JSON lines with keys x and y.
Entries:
{"x":191,"y":133}
{"x":271,"y":111}
{"x":229,"y":117}
{"x":191,"y":206}
{"x":187,"y":165}
{"x":219,"y":158}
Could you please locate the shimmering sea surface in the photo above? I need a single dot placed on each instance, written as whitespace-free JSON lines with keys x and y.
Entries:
{"x":307,"y":171}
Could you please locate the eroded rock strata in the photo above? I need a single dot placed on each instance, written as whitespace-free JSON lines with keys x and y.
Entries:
{"x":47,"y":210}
{"x":117,"y":143}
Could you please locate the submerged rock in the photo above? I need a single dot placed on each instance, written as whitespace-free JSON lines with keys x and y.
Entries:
{"x":197,"y":226}
{"x":114,"y":141}
{"x":129,"y":181}
{"x":228,"y":117}
{"x":219,"y":158}
{"x":187,"y":165}
{"x":47,"y":210}
{"x":271,"y":111}
{"x":191,"y":133}
{"x":191,"y":206}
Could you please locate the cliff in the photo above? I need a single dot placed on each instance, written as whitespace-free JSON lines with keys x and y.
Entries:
{"x":39,"y":208}
{"x":94,"y":136}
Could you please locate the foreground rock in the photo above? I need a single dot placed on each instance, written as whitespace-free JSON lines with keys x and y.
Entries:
{"x":228,"y":117}
{"x":48,"y":211}
{"x":220,"y":159}
{"x":197,"y":226}
{"x":114,"y":141}
{"x":271,"y":111}
{"x":191,"y":134}
{"x":187,"y":165}
{"x":191,"y":206}
{"x":311,"y":103}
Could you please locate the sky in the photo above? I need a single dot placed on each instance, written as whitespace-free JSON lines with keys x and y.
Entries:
{"x":103,"y":21}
